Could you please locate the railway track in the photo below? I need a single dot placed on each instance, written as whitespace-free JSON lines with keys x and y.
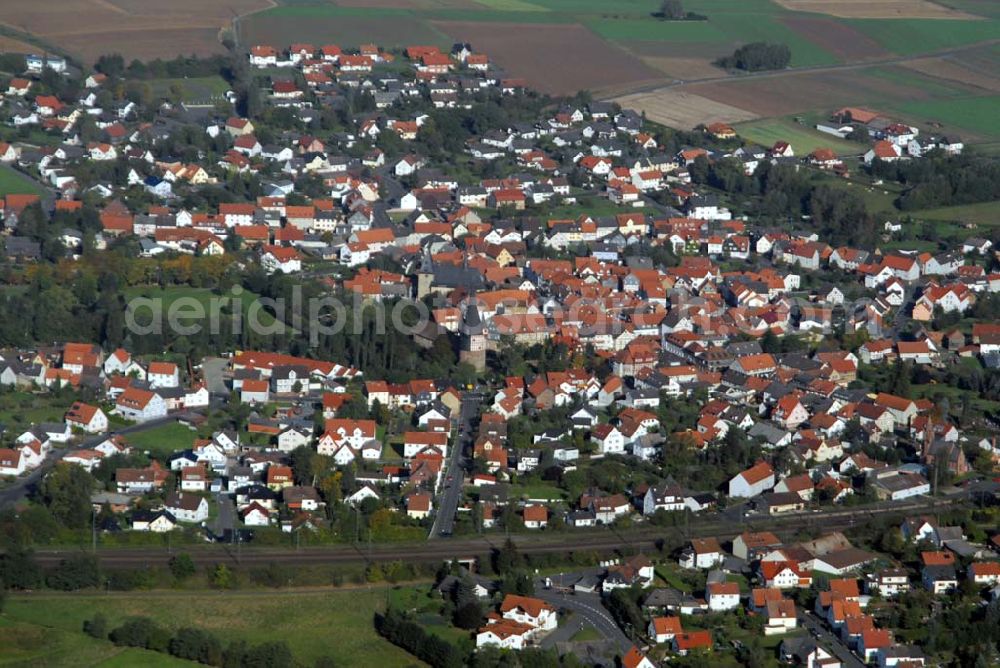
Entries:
{"x":600,"y":540}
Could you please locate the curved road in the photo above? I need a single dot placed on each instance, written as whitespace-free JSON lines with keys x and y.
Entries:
{"x":589,"y":608}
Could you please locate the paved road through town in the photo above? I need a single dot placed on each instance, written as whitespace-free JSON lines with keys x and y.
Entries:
{"x":829,"y":641}
{"x":451,"y":493}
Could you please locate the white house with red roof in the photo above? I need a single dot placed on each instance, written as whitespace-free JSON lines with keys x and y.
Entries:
{"x":163,"y":374}
{"x":754,"y":481}
{"x":11,"y":462}
{"x":280,"y":258}
{"x":140,"y":405}
{"x":85,"y":417}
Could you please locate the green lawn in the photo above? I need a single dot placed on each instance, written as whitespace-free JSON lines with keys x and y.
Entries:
{"x":13,"y":182}
{"x":196,"y":89}
{"x":586,"y":634}
{"x":985,"y":213}
{"x":21,"y":409}
{"x":804,"y":140}
{"x":187,"y":311}
{"x":335,"y":623}
{"x":537,"y":491}
{"x":163,"y":440}
{"x":132,"y":656}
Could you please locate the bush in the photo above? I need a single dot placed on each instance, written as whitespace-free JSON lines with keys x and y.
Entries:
{"x":181,"y":566}
{"x":96,"y":627}
{"x":196,"y":645}
{"x":268,"y":655}
{"x":75,"y":573}
{"x":411,"y":637}
{"x":141,"y":632}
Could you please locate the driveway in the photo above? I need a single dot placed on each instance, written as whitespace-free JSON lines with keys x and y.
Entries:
{"x":213,"y":371}
{"x":225,"y":522}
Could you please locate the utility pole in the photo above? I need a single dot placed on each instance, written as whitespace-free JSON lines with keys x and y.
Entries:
{"x":93,"y":529}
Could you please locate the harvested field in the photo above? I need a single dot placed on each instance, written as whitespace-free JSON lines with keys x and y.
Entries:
{"x":795,"y":93}
{"x":553,"y":58}
{"x":684,"y":68}
{"x":679,"y":109}
{"x":12,"y":45}
{"x":876,"y":9}
{"x":347,"y":31}
{"x":408,"y":4}
{"x":836,"y":37}
{"x":144,"y":44}
{"x":135,"y":28}
{"x":954,"y":70}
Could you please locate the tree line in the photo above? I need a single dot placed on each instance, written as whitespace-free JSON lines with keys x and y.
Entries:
{"x":943,"y":180}
{"x":757,"y":56}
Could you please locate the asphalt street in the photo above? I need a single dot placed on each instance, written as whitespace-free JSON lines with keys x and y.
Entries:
{"x":587,"y":607}
{"x":451,"y":492}
{"x":829,"y":641}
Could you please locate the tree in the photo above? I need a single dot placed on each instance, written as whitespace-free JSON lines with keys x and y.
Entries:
{"x":222,"y":577}
{"x":19,"y":570}
{"x":757,"y":56}
{"x":182,"y":566}
{"x":672,"y":10}
{"x":66,"y":492}
{"x":507,"y":558}
{"x":468,"y":616}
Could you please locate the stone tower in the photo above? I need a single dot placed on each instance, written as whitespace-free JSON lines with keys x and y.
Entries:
{"x":473,"y":336}
{"x":425,"y":276}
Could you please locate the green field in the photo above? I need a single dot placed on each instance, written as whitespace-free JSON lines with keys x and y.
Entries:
{"x":804,"y":140}
{"x":986,"y":213}
{"x":911,"y":36}
{"x":13,"y":182}
{"x":163,"y":440}
{"x":38,"y":644}
{"x":977,"y":115}
{"x":336,"y":623}
{"x":512,"y":5}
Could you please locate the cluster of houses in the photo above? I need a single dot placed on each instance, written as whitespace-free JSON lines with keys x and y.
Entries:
{"x":519,"y":622}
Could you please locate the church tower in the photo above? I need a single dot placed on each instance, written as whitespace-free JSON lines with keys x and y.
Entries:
{"x":473,"y":336}
{"x":425,"y":276}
